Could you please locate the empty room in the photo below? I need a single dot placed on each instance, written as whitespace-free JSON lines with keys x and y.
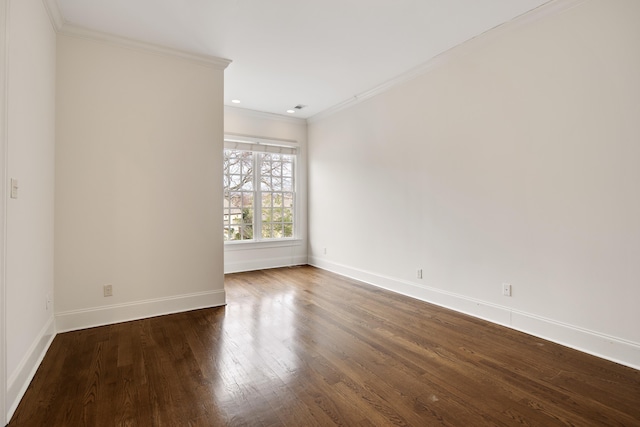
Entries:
{"x":294,"y":213}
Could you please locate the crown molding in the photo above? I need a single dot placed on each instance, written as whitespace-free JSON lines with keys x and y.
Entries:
{"x":87,"y":34}
{"x":64,"y":28}
{"x":53,"y":9}
{"x":552,"y":7}
{"x":264,"y":115}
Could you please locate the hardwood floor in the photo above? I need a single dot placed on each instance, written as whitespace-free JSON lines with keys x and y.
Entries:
{"x":304,"y":347}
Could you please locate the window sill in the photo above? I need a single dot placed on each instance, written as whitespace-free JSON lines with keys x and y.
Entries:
{"x":263,"y":244}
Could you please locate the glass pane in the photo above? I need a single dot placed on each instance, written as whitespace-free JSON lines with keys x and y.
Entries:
{"x":233,"y":182}
{"x":265,"y":183}
{"x":233,"y":232}
{"x":276,"y":184}
{"x":233,"y":166}
{"x":266,"y":231}
{"x":288,"y":230}
{"x":235,"y":199}
{"x":266,"y":166}
{"x":247,"y":216}
{"x":276,"y":169}
{"x":277,"y":199}
{"x":266,"y":200}
{"x":287,"y":184}
{"x":247,"y":232}
{"x":287,"y":215}
{"x":277,"y":215}
{"x":246,"y":163}
{"x":247,"y":184}
{"x":288,"y":200}
{"x":277,"y":230}
{"x":266,"y":215}
{"x":287,"y":169}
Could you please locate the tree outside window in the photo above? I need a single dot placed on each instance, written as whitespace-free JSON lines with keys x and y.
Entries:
{"x":258,"y":182}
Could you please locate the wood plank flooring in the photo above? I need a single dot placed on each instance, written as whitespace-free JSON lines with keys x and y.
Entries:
{"x":304,"y":347}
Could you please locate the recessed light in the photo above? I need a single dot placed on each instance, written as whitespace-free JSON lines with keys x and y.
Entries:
{"x":235,"y":101}
{"x":290,"y":111}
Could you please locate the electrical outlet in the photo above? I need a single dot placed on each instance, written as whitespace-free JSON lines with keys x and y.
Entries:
{"x":419,"y":273}
{"x":108,"y":290}
{"x":506,"y":289}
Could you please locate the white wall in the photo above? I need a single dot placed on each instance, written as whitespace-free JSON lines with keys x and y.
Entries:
{"x":513,"y":160}
{"x":138,"y":194}
{"x":4,"y":9}
{"x":29,"y":218}
{"x":254,"y":256}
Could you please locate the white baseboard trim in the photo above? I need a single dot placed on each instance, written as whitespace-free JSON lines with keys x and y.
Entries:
{"x":264,"y":264}
{"x":21,"y":378}
{"x":606,"y":347}
{"x":88,"y":318}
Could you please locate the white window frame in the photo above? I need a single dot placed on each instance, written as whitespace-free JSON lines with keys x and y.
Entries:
{"x":264,"y":145}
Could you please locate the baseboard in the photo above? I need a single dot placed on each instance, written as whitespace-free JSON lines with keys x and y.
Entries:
{"x":264,"y":263}
{"x":81,"y":319}
{"x":606,"y":347}
{"x":18,"y":382}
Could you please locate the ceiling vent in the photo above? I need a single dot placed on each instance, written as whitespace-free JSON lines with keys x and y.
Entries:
{"x":299,"y":107}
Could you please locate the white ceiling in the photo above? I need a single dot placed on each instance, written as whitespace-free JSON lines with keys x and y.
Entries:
{"x":287,"y":52}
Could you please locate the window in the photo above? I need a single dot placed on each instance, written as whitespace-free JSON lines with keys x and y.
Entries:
{"x":259,"y":191}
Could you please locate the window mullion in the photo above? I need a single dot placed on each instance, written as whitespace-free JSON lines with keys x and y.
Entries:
{"x":257,"y":201}
{"x":294,"y":188}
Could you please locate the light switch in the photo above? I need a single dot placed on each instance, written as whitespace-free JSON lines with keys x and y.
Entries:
{"x":14,"y":188}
